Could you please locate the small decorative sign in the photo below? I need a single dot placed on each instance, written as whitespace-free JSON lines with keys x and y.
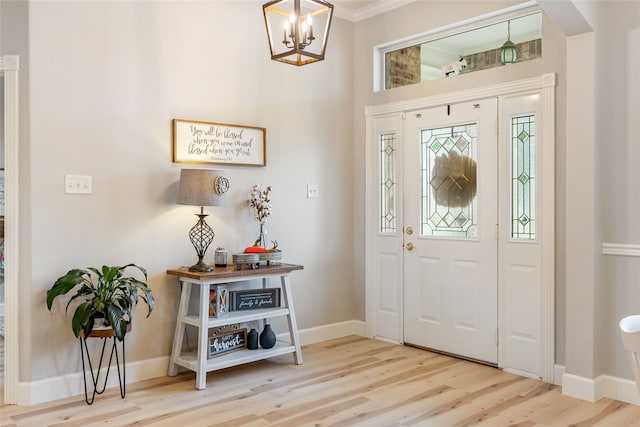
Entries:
{"x":252,"y":299}
{"x":227,"y":341}
{"x":218,"y":143}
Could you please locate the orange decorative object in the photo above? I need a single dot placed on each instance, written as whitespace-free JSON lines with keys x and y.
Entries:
{"x":254,"y":250}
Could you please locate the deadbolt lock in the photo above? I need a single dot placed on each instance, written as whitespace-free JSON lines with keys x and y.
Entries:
{"x":409,"y":230}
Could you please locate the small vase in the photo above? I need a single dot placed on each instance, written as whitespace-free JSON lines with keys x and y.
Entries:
{"x":267,"y":337}
{"x":261,"y":241}
{"x":252,"y":339}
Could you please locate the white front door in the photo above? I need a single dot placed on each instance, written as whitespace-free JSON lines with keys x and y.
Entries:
{"x":450,"y":229}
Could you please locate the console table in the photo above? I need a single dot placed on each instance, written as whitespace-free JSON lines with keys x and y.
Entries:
{"x":197,"y":361}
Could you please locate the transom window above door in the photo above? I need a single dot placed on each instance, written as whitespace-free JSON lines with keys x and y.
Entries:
{"x":445,"y":54}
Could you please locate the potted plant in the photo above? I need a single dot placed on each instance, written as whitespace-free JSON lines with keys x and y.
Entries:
{"x":105,"y":293}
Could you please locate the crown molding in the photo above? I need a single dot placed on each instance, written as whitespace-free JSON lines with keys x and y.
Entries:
{"x":362,"y":13}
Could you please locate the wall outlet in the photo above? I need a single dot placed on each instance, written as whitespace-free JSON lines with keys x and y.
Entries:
{"x":313,"y":191}
{"x":78,"y":184}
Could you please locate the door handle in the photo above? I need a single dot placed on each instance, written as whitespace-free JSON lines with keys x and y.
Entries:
{"x":409,"y":246}
{"x":409,"y":230}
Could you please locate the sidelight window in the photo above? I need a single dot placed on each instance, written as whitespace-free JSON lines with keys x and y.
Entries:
{"x":388,"y":183}
{"x":523,"y":177}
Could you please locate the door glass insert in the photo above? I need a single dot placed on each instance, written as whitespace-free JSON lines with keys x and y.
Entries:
{"x":448,"y":168}
{"x":388,"y":187}
{"x":523,"y":179}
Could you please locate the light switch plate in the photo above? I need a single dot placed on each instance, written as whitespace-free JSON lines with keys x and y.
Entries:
{"x":78,"y":184}
{"x":313,"y":192}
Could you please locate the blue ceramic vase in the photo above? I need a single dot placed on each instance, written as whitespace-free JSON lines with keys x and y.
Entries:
{"x":267,"y":337}
{"x":252,"y":339}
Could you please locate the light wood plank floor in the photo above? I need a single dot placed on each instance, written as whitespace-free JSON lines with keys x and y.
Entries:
{"x":348,"y":381}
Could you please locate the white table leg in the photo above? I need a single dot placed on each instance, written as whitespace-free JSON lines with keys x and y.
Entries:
{"x":178,"y":336}
{"x":291,"y":318}
{"x":203,"y":344}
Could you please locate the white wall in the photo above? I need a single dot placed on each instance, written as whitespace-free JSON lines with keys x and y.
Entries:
{"x":583,"y":232}
{"x":105,"y":80}
{"x":602,"y":194}
{"x":619,"y":148}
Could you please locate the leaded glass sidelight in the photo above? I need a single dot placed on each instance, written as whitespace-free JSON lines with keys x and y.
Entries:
{"x":448,"y":169}
{"x":523,"y":179}
{"x":388,"y":187}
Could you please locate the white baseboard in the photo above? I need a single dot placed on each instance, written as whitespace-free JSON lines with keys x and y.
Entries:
{"x":590,"y":389}
{"x":558,"y":372}
{"x":328,"y":332}
{"x":69,"y":385}
{"x":621,"y":389}
{"x":32,"y":393}
{"x":604,"y":386}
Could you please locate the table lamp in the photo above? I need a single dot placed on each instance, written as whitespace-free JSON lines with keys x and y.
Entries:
{"x":202,"y":187}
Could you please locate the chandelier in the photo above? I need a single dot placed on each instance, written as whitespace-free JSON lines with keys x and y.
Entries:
{"x":305,"y":28}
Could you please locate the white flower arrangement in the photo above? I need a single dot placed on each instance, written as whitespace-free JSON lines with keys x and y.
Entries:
{"x":260,"y":203}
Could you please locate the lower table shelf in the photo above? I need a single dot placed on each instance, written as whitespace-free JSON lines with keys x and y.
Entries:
{"x":190,"y":360}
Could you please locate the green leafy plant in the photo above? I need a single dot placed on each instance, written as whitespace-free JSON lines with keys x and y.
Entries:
{"x":105,"y":293}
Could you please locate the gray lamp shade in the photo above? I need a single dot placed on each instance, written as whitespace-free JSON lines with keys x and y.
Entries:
{"x":198,"y":188}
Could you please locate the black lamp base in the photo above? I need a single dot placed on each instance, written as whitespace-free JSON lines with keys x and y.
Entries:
{"x":201,"y":267}
{"x":201,"y":236}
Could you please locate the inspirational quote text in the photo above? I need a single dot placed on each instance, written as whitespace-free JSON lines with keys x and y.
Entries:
{"x":207,"y":142}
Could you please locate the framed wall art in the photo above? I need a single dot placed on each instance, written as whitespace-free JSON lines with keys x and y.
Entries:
{"x":218,"y":143}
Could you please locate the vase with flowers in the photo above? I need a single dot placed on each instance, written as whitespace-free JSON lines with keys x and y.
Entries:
{"x":260,"y":203}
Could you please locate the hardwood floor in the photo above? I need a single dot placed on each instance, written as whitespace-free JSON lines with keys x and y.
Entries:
{"x":349,"y":381}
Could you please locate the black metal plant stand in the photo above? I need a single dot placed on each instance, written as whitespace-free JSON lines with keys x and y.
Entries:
{"x":95,"y":376}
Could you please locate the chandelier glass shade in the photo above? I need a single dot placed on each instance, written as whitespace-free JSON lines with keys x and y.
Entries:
{"x":297,"y":30}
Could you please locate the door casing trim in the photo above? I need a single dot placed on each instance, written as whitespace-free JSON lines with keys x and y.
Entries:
{"x":9,"y":67}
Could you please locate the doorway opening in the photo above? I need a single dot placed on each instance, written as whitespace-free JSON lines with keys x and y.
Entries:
{"x":397,"y":236}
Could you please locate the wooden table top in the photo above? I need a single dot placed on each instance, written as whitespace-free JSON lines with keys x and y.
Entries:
{"x":231,"y":271}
